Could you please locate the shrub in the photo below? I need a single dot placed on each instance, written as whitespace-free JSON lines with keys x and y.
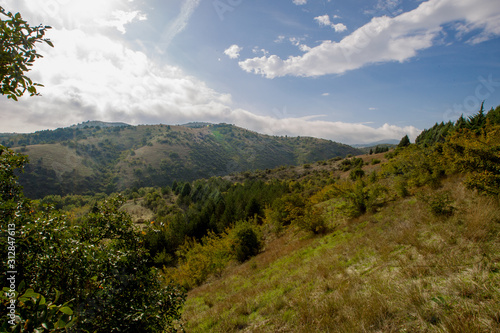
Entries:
{"x":358,"y":197}
{"x":198,"y":260}
{"x":401,"y":187}
{"x":440,"y":204}
{"x":356,"y":173}
{"x":313,"y":221}
{"x":247,"y":243}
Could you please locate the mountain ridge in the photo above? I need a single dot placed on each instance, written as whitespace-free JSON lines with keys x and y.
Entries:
{"x":91,"y":159}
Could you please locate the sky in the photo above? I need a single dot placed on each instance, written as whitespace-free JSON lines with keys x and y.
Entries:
{"x":352,"y":71}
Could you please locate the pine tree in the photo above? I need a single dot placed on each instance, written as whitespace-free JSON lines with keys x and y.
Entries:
{"x":405,"y":141}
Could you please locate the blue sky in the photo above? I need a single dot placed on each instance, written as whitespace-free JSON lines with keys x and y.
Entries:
{"x":352,"y":71}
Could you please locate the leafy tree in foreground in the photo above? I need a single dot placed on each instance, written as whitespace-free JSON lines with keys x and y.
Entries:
{"x":93,"y":275}
{"x":18,"y":53}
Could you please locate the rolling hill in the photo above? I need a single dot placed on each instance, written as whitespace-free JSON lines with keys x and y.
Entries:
{"x":98,"y":157}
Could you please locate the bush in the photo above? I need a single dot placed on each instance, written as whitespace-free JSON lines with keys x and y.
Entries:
{"x":440,"y":204}
{"x":247,"y":243}
{"x":356,"y":173}
{"x":358,"y":197}
{"x":198,"y":260}
{"x":313,"y":221}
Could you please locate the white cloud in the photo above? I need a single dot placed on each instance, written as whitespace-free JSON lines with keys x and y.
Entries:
{"x":279,"y":39}
{"x":300,"y":2}
{"x":307,"y":126}
{"x":324,"y":20}
{"x":121,"y":18}
{"x":257,"y":49}
{"x":96,"y":77}
{"x":384,"y":39}
{"x":180,"y":23}
{"x":233,"y":51}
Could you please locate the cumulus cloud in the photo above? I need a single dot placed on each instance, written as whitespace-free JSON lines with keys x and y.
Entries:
{"x":385,"y":39}
{"x":91,"y":74}
{"x":233,"y":51}
{"x":300,"y":2}
{"x":308,"y":126}
{"x":324,"y":20}
{"x":96,"y":77}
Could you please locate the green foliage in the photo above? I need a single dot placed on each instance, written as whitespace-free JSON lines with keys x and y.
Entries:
{"x":100,"y":158}
{"x":247,"y":243}
{"x":351,"y":163}
{"x":288,"y":209}
{"x":435,"y":134}
{"x":417,"y":165}
{"x":98,"y":264}
{"x":357,"y":198}
{"x":18,"y":54}
{"x":313,"y":221}
{"x":198,"y":260}
{"x":440,"y":204}
{"x":356,"y":173}
{"x":34,"y":314}
{"x":380,"y":149}
{"x":405,"y":141}
{"x":476,"y":152}
{"x":439,"y":132}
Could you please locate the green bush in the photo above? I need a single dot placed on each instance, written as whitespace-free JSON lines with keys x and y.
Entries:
{"x":440,"y":204}
{"x":247,"y":243}
{"x":313,"y":221}
{"x":356,"y":173}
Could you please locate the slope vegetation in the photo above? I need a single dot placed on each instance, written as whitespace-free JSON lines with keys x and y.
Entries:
{"x":99,"y":157}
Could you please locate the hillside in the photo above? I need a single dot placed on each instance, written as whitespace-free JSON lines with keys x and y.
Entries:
{"x":98,"y":157}
{"x":403,"y":241}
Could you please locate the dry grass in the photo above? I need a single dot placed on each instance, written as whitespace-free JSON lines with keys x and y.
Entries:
{"x":138,"y":213}
{"x":59,"y":158}
{"x":401,"y":269}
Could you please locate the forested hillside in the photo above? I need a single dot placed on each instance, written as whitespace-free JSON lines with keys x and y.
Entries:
{"x":406,"y":240}
{"x":99,"y":157}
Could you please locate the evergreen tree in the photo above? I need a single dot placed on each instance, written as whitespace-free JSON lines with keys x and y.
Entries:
{"x":405,"y":141}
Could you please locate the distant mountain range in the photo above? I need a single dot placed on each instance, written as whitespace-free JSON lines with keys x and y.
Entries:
{"x":382,"y":143}
{"x":96,"y":156}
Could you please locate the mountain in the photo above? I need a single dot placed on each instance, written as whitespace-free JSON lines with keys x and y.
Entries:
{"x":98,"y":157}
{"x":381,"y":143}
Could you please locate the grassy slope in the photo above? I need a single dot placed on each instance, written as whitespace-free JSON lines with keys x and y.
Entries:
{"x":401,"y":269}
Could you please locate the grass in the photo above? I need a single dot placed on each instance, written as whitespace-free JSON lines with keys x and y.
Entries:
{"x":138,"y":213}
{"x":401,"y":269}
{"x":59,"y":158}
